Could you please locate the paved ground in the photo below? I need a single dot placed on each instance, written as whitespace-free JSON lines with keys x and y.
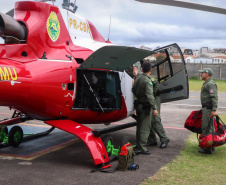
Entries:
{"x":194,"y":102}
{"x":72,"y":164}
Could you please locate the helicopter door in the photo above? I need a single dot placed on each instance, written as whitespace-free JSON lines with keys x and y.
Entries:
{"x":115,"y":58}
{"x":126,"y":86}
{"x":170,"y":69}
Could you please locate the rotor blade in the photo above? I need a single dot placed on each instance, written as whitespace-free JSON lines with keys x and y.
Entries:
{"x":10,"y":13}
{"x":186,"y":5}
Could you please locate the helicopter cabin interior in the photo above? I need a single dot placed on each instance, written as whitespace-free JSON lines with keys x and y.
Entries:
{"x":97,"y":90}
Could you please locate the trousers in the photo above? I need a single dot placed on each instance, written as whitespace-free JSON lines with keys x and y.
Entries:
{"x":156,"y":125}
{"x":206,"y":120}
{"x":143,"y":127}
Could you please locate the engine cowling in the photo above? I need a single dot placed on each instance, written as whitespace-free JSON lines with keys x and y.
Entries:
{"x":11,"y":30}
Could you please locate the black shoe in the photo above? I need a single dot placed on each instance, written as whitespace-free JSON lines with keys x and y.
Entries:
{"x":206,"y":150}
{"x":202,"y":151}
{"x":152,"y":144}
{"x":137,"y":152}
{"x":164,"y":144}
{"x":145,"y":152}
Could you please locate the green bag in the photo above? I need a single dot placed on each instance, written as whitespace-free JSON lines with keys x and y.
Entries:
{"x":126,"y":157}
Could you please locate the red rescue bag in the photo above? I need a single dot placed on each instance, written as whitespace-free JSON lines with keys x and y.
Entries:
{"x":194,"y":122}
{"x":214,"y":139}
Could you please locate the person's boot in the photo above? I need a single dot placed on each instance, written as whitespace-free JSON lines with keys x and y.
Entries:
{"x":206,"y":150}
{"x":164,"y":144}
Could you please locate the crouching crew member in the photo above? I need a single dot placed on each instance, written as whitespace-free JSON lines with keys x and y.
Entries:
{"x":209,"y":100}
{"x":156,"y":124}
{"x":145,"y":102}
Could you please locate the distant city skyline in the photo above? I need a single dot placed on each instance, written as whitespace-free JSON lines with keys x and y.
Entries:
{"x":209,"y":48}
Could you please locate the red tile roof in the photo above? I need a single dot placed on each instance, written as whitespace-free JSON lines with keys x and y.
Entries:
{"x":186,"y":56}
{"x":223,"y":57}
{"x":159,"y":54}
{"x":176,"y":56}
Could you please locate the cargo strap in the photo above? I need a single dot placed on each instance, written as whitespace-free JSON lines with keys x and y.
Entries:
{"x":104,"y":169}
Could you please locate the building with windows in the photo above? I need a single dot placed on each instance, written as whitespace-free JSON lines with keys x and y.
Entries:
{"x":189,"y":58}
{"x":207,"y":58}
{"x":219,"y":60}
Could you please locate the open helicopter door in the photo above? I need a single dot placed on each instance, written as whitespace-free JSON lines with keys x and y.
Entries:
{"x":103,"y":73}
{"x":170,"y":69}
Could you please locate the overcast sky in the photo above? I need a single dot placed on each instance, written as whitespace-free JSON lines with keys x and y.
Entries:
{"x":136,"y":24}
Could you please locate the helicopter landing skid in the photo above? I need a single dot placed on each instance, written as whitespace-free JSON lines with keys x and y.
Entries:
{"x":94,"y":144}
{"x":18,"y":117}
{"x":28,"y":137}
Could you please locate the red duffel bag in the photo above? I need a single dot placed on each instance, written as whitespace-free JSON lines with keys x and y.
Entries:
{"x":194,"y":122}
{"x":214,"y":139}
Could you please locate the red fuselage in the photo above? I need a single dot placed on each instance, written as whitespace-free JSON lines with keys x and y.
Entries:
{"x":39,"y":87}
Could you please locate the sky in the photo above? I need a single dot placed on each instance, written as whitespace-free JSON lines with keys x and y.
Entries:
{"x":136,"y":24}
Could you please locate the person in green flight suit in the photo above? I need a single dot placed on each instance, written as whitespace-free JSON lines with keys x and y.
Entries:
{"x":156,"y":123}
{"x":144,"y":104}
{"x":136,"y":72}
{"x":209,"y":101}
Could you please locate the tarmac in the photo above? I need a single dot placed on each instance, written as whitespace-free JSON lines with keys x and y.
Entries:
{"x":61,"y":158}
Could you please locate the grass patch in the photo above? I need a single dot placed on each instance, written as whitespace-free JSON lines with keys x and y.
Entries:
{"x":192,"y":167}
{"x":223,"y":117}
{"x":195,"y":85}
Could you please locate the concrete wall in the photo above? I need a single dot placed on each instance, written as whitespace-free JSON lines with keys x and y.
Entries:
{"x":193,"y":70}
{"x":219,"y":70}
{"x":223,"y":72}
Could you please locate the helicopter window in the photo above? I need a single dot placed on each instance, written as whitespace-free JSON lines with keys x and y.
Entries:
{"x":98,"y":90}
{"x":176,"y":58}
{"x":164,"y":71}
{"x":166,"y":63}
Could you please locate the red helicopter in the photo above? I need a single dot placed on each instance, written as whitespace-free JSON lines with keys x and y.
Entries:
{"x":56,"y":67}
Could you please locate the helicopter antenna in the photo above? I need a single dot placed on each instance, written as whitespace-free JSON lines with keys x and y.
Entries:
{"x":109,"y":29}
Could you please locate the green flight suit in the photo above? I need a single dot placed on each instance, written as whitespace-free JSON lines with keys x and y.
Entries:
{"x":209,"y":100}
{"x":143,"y":90}
{"x":156,"y":124}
